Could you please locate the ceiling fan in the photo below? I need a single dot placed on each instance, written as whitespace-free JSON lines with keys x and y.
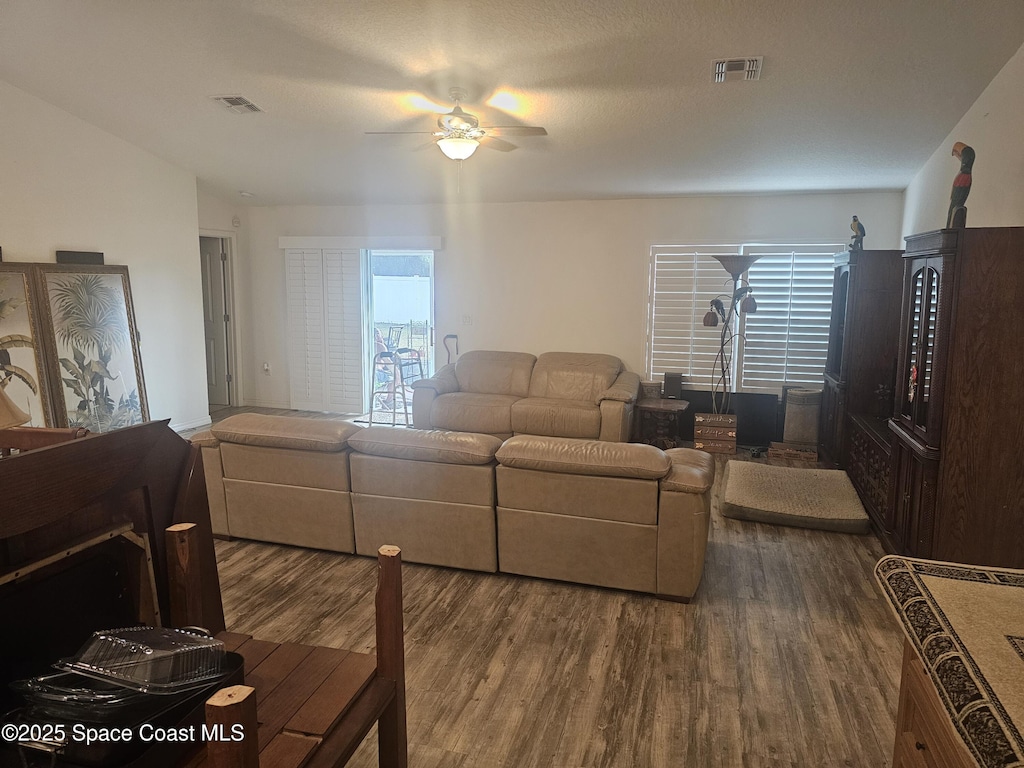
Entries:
{"x":459,"y":132}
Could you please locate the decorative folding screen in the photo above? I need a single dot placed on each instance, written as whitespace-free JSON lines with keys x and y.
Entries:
{"x":69,"y":348}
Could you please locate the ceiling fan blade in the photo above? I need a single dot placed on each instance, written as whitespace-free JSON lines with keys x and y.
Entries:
{"x":515,"y":130}
{"x":395,"y":133}
{"x":501,"y":145}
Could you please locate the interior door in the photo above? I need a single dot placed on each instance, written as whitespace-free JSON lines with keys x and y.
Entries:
{"x":215,"y":320}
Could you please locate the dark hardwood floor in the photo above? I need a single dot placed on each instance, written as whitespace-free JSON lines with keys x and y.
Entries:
{"x":788,"y":655}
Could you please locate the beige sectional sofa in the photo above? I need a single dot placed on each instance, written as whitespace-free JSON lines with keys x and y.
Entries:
{"x":558,"y":394}
{"x":620,"y":515}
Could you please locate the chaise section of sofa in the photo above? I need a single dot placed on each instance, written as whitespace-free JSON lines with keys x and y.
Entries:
{"x":559,"y":394}
{"x":281,"y":479}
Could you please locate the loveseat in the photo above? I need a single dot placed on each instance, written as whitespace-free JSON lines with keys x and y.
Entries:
{"x":559,"y":394}
{"x":611,"y":514}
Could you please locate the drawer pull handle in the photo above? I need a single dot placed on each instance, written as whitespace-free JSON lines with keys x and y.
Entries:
{"x":919,"y":746}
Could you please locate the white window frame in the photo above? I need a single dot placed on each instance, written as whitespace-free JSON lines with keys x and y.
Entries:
{"x":678,"y":342}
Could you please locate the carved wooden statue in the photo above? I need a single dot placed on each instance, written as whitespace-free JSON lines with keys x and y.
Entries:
{"x":957,"y":216}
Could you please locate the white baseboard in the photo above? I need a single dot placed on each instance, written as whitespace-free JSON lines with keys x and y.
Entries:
{"x":267,"y":404}
{"x":194,"y":424}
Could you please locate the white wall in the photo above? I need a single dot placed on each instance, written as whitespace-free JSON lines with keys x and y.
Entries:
{"x":541,"y":277}
{"x":66,"y":185}
{"x":994,"y":127}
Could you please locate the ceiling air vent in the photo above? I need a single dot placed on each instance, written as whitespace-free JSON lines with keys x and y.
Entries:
{"x":237,"y":104}
{"x":725,"y":70}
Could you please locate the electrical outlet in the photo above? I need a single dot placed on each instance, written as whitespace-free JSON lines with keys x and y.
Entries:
{"x":266,"y":369}
{"x":467,"y":319}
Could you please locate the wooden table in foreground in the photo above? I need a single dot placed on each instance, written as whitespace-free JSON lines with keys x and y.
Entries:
{"x":302,"y":693}
{"x":308,"y":706}
{"x":962,"y":692}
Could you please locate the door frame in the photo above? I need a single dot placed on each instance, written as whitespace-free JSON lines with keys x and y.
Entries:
{"x":229,"y":239}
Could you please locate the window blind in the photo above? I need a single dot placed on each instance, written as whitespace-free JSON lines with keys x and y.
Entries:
{"x":784,"y":342}
{"x":683,"y":282}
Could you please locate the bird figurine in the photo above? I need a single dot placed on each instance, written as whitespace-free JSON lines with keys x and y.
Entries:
{"x":957,"y":216}
{"x":857,"y":243}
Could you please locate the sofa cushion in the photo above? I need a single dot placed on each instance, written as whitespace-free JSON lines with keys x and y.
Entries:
{"x":486,"y":372}
{"x":561,"y":418}
{"x":422,"y":480}
{"x":285,"y":432}
{"x":437,"y":445}
{"x":624,"y":499}
{"x":584,"y":457}
{"x":473,"y":412}
{"x":573,"y":375}
{"x":286,"y":466}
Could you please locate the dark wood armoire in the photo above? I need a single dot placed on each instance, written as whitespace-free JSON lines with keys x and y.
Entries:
{"x":957,"y":486}
{"x":860,"y":371}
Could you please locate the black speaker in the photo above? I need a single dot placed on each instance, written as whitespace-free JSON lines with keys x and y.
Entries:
{"x":673,"y":386}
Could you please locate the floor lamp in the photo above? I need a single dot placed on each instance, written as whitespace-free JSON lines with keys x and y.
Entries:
{"x":741,"y":300}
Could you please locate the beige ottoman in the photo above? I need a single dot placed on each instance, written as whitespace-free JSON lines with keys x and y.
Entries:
{"x":280,"y":478}
{"x":429,"y":492}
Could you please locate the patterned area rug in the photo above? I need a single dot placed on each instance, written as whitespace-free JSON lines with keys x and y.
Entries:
{"x":824,"y":499}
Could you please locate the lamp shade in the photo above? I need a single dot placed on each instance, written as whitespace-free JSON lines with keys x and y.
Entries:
{"x":456,"y":148}
{"x":736,"y":264}
{"x":10,"y":414}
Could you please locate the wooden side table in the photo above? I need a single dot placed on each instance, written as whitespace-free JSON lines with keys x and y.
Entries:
{"x":658,"y":421}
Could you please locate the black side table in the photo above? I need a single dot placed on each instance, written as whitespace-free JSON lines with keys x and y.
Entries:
{"x":658,"y":421}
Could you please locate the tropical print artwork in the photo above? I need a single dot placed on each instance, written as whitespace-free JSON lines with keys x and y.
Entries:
{"x":19,"y":367}
{"x":94,"y":347}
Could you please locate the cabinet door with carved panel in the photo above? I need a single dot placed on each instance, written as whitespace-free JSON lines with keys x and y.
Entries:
{"x":868,"y":465}
{"x":912,"y":503}
{"x":920,"y":377}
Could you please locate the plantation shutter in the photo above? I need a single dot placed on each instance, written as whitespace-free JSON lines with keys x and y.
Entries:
{"x":325,"y":336}
{"x":786,"y":340}
{"x":306,"y":324}
{"x":343,"y":280}
{"x":683,"y":282}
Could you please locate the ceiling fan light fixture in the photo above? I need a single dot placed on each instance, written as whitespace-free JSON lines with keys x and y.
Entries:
{"x":456,"y":148}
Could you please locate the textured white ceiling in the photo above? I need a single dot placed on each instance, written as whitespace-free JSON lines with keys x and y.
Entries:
{"x":852,"y":95}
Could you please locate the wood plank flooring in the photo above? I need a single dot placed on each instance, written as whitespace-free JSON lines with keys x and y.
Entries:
{"x":787,"y":656}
